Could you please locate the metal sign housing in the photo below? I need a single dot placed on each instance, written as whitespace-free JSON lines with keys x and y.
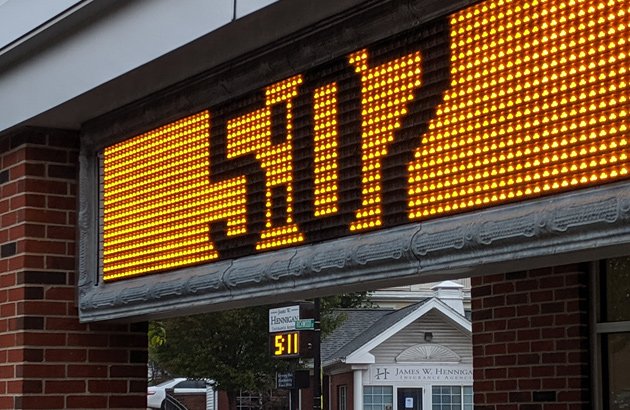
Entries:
{"x":493,"y":137}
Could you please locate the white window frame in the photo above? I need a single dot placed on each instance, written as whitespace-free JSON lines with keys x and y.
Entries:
{"x":379,"y":386}
{"x":342,"y":397}
{"x":461,"y":390}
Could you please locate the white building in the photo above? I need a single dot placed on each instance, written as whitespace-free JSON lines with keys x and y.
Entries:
{"x":407,"y":359}
{"x":401,"y":296}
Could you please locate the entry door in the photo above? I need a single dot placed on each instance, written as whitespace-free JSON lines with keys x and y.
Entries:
{"x":409,"y":399}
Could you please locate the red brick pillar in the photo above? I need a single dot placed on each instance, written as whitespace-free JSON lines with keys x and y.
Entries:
{"x":530,"y":340}
{"x":48,"y":360}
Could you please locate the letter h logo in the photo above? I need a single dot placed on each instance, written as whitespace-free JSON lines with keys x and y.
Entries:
{"x":381,"y":373}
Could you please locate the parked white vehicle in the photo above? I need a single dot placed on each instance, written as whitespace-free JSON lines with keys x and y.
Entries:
{"x":156,"y":395}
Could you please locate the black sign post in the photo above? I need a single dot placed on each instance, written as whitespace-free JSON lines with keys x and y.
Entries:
{"x":293,"y":381}
{"x":317,"y":388}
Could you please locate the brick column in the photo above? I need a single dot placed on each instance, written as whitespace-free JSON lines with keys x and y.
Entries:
{"x":530,"y":340}
{"x":48,"y":360}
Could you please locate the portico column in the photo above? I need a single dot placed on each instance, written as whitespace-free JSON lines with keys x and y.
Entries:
{"x":357,"y":393}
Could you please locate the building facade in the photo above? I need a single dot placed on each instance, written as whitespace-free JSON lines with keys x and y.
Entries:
{"x":401,"y":296}
{"x":412,"y":358}
{"x":339,"y":146}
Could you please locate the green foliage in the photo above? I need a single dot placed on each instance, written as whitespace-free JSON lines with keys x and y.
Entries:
{"x":230,"y":347}
{"x":346,"y":300}
{"x":157,"y":334}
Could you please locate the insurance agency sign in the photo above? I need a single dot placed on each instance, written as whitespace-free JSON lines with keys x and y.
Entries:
{"x":283,"y":318}
{"x":387,"y":374}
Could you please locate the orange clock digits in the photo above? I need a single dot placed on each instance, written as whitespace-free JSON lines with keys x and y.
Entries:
{"x":325,"y":143}
{"x":286,"y":344}
{"x":155,"y":196}
{"x":251,"y":133}
{"x":537,"y":104}
{"x":386,"y":91}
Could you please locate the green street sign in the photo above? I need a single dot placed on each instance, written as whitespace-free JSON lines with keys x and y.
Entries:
{"x":305,"y":324}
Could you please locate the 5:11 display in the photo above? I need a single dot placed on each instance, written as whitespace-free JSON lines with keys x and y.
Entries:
{"x":291,"y":344}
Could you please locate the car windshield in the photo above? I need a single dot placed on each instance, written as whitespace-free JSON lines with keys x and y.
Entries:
{"x":191,"y":384}
{"x":164,"y":383}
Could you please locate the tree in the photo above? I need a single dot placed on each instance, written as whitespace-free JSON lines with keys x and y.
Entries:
{"x":229,"y":347}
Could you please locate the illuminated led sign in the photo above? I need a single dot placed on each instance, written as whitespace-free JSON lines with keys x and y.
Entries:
{"x":291,"y":344}
{"x":504,"y":101}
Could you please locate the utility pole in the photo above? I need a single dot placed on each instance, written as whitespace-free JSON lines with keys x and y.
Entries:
{"x":317,"y":366}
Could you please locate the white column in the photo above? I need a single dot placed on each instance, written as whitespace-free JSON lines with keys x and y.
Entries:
{"x":357,"y":390}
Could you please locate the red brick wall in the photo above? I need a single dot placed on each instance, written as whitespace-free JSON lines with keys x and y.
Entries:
{"x":222,"y":400}
{"x":530,"y":340}
{"x":340,"y":380}
{"x":192,"y":401}
{"x":48,"y":360}
{"x":306,"y":398}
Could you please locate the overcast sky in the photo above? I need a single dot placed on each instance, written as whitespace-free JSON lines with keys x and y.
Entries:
{"x":18,"y":17}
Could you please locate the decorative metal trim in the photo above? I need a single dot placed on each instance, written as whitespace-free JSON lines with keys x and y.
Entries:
{"x":573,"y":227}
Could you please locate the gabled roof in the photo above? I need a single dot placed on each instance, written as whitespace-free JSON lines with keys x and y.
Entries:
{"x":356,"y":322}
{"x":364,"y":329}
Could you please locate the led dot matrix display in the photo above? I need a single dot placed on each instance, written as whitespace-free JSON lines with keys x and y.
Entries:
{"x":385,"y":92}
{"x":155,"y":200}
{"x":252,"y":134}
{"x":326,"y":144}
{"x":534,"y":102}
{"x":537,"y":104}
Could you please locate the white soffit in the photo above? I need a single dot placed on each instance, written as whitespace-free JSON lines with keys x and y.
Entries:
{"x":19,"y":17}
{"x":104,"y":46}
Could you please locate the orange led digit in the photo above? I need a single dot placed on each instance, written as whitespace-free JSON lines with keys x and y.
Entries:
{"x":291,"y":344}
{"x":386,"y":90}
{"x":537,"y":104}
{"x":251,"y":133}
{"x":325,"y":143}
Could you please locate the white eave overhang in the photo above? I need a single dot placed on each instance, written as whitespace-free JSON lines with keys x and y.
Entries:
{"x":362,"y":355}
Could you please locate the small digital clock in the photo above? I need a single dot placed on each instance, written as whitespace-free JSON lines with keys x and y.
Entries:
{"x":291,"y":344}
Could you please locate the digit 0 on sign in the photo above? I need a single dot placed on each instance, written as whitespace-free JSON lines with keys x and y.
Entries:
{"x":504,"y":101}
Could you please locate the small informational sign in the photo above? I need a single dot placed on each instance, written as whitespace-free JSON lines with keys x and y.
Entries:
{"x":298,"y":379}
{"x":283,"y":319}
{"x":305,"y":324}
{"x":409,"y":402}
{"x":285,"y":380}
